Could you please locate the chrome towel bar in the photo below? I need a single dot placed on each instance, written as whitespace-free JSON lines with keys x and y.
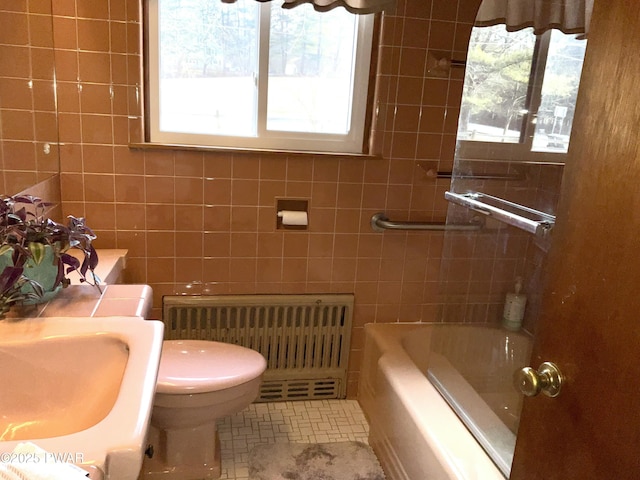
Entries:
{"x":380,"y":223}
{"x":524,"y":218}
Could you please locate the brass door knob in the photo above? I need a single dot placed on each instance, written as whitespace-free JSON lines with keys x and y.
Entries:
{"x":547,"y":379}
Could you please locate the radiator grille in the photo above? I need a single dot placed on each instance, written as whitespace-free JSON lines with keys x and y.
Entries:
{"x":304,"y":338}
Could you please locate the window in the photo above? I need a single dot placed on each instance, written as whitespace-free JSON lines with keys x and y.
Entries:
{"x":520,"y":89}
{"x":254,"y":75}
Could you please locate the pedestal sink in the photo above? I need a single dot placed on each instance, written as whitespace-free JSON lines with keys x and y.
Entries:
{"x":80,"y":388}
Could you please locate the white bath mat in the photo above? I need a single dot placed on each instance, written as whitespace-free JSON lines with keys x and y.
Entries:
{"x":314,"y":461}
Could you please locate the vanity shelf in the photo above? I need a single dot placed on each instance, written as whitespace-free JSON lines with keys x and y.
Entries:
{"x":527,"y":219}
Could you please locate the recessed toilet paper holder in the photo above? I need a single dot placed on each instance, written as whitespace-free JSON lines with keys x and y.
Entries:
{"x":292,"y":214}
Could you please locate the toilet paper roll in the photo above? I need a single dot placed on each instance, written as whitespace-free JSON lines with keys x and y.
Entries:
{"x":290,"y":217}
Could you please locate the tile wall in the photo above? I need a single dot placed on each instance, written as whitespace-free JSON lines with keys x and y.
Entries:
{"x":479,"y":268}
{"x":202,"y":221}
{"x":28,"y":129}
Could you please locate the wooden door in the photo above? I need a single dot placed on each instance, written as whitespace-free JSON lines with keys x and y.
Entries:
{"x":590,"y":318}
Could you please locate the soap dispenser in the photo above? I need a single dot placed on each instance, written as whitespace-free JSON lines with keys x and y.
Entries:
{"x":514,"y":308}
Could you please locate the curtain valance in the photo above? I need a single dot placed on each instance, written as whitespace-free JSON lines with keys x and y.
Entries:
{"x":354,"y":6}
{"x":569,"y":16}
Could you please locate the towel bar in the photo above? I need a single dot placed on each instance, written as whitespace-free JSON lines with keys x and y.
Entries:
{"x":380,"y":223}
{"x":524,"y":218}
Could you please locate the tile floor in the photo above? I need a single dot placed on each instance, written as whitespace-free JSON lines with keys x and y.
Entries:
{"x":317,"y":421}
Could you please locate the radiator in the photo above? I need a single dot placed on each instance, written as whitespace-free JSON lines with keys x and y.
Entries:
{"x":304,"y":338}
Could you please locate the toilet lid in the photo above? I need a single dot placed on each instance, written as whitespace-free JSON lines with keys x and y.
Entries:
{"x":197,"y":366}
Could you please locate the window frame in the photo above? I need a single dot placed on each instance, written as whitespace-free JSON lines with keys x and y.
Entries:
{"x":522,"y":150}
{"x":355,"y":142}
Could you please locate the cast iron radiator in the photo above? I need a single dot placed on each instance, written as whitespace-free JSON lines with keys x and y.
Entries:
{"x":304,"y":338}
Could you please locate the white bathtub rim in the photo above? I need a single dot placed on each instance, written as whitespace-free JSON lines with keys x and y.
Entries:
{"x":458,"y":452}
{"x":456,"y":449}
{"x":486,"y":427}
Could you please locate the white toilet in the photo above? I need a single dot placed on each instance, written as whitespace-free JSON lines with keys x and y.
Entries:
{"x":198,"y":382}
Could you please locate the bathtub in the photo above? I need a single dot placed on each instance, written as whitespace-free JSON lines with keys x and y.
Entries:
{"x":416,"y":434}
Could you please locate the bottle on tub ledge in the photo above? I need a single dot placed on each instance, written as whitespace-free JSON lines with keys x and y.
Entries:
{"x":514,"y":305}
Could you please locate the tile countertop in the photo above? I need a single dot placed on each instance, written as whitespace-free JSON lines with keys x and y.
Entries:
{"x":111,"y":263}
{"x":88,"y":301}
{"x":83,"y":300}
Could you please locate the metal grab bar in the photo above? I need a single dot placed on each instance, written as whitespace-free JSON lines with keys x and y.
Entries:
{"x":476,"y":176}
{"x":380,"y":223}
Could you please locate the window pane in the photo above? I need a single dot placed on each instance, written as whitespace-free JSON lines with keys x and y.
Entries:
{"x":208,"y":65}
{"x":254,"y":75}
{"x":559,"y":93}
{"x":495,"y":85}
{"x":311,"y":64}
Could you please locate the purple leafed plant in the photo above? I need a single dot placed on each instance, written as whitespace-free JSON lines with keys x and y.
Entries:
{"x":25,"y":232}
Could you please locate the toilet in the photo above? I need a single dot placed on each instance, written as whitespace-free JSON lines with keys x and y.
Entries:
{"x":199,"y":382}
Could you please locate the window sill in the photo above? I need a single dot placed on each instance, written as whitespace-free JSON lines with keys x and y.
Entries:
{"x":198,"y":148}
{"x":468,"y":150}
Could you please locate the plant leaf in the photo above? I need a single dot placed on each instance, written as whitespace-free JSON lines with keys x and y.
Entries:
{"x":93,"y":258}
{"x":9,"y":277}
{"x":60,"y":275}
{"x":72,"y":262}
{"x":37,"y":288}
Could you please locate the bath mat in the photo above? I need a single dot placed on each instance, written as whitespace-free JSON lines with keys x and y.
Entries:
{"x":314,"y":461}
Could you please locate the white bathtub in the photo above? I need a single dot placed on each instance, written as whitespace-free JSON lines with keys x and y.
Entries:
{"x":413,"y":430}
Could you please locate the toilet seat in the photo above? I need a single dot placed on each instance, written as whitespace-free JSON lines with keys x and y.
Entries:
{"x":199,"y":366}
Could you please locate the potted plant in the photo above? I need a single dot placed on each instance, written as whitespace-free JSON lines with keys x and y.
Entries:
{"x":34,"y":258}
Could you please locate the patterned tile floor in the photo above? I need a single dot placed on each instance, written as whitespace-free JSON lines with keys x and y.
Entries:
{"x":317,"y":421}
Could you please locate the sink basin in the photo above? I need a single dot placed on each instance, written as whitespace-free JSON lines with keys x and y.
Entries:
{"x":59,"y":385}
{"x":80,"y":387}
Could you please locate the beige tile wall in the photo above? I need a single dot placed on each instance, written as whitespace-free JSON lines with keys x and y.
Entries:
{"x":27,"y":95}
{"x":206,"y":221}
{"x":479,"y":268}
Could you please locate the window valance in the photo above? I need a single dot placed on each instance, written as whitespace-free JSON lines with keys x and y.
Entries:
{"x":353,"y":6}
{"x":569,"y":16}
